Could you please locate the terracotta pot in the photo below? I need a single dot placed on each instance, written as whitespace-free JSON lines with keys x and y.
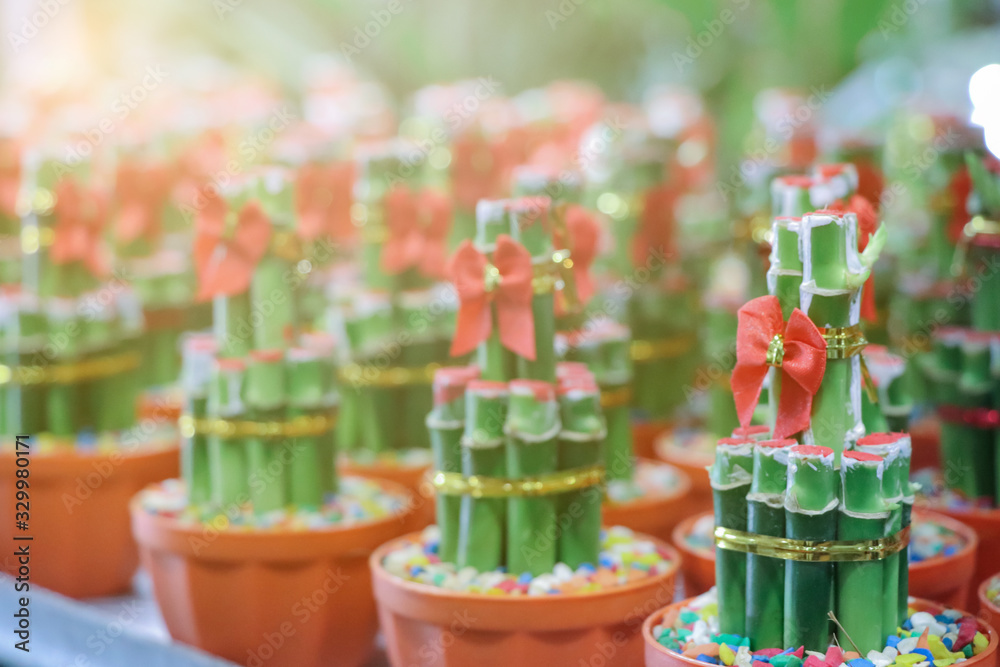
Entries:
{"x":925,"y":436}
{"x":659,"y":656}
{"x":988,"y":611}
{"x":415,"y":479}
{"x":942,"y":580}
{"x":644,"y":435}
{"x":693,"y":465}
{"x":424,"y":626}
{"x":275,"y":598}
{"x":698,"y":565}
{"x":986,"y":524}
{"x":945,"y":580}
{"x":653,"y":514}
{"x":78,"y":509}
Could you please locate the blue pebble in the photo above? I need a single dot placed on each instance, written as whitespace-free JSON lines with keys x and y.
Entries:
{"x":861,"y":662}
{"x":892,"y":641}
{"x":787,"y":650}
{"x":941,"y":618}
{"x":707,"y":658}
{"x":588,"y":567}
{"x":907,"y":625}
{"x":525,"y":578}
{"x":950,"y":550}
{"x":924,"y":652}
{"x":415,"y":570}
{"x":948,"y":643}
{"x":431,"y":548}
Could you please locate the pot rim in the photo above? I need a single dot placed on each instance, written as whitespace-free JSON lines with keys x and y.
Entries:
{"x":200,"y":542}
{"x":919,"y":603}
{"x":380,"y":574}
{"x":677,"y":456}
{"x":985,"y":601}
{"x":682,"y":529}
{"x":72,"y":462}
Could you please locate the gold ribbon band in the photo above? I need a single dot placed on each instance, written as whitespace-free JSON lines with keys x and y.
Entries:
{"x":297,"y":427}
{"x":616,"y":397}
{"x":71,"y":372}
{"x":360,"y":375}
{"x":844,"y":342}
{"x":663,"y":348}
{"x":810,"y":551}
{"x":455,"y":484}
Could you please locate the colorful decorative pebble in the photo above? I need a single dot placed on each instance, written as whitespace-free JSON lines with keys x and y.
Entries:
{"x":624,"y":558}
{"x":359,"y":500}
{"x":993,"y":590}
{"x":943,"y":639}
{"x":650,"y":479}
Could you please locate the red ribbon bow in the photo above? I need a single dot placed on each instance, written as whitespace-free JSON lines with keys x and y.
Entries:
{"x":323,"y":200}
{"x":80,"y":214}
{"x":418,"y":225}
{"x":867,"y":225}
{"x":506,"y":283}
{"x":480,"y":169}
{"x":584,"y":235}
{"x":656,"y":225}
{"x":225,"y":259}
{"x":764,"y":340}
{"x":142,"y":192}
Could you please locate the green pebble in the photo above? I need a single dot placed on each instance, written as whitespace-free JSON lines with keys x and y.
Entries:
{"x":732,"y":640}
{"x":689,"y":617}
{"x":683,"y":634}
{"x":967,"y":650}
{"x":745,"y":642}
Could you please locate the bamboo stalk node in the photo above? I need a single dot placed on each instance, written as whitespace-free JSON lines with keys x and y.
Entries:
{"x":662,"y":348}
{"x":70,"y":372}
{"x":478,"y":486}
{"x":297,"y":427}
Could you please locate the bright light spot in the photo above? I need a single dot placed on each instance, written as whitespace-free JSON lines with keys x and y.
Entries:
{"x":691,"y":152}
{"x":984,"y":91}
{"x":439,"y":158}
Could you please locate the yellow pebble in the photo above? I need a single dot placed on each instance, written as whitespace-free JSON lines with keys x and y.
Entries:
{"x":727,"y":655}
{"x":709,"y":610}
{"x":938,"y":649}
{"x":980,"y":641}
{"x":944,"y":662}
{"x":909,"y":659}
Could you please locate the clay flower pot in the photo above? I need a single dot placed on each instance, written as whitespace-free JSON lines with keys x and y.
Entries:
{"x":645,"y":434}
{"x":655,"y":513}
{"x":986,"y":524}
{"x":988,"y":610}
{"x":694,"y":464}
{"x":944,"y":579}
{"x":698,"y":565}
{"x":425,"y":626}
{"x":79,"y":515}
{"x":413,"y":478}
{"x":267,"y":597}
{"x":658,"y":655}
{"x":925,"y":436}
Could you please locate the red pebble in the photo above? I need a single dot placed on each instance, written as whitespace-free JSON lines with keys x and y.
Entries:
{"x":770,"y":652}
{"x":813,"y":661}
{"x":799,"y":652}
{"x":834,"y":656}
{"x":966,"y":632}
{"x":507,"y":585}
{"x":758,"y":663}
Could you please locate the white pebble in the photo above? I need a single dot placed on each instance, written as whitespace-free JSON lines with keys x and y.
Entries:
{"x":937,"y":628}
{"x":890,"y":652}
{"x":700,"y":632}
{"x":743,"y":657}
{"x":562,"y":572}
{"x":878,"y":659}
{"x":907,"y":645}
{"x":921,"y":620}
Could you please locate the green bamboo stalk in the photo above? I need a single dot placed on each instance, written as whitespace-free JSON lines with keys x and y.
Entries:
{"x":417,"y":349}
{"x":232,"y":325}
{"x":784,"y":277}
{"x":863,"y":516}
{"x":903,"y":589}
{"x":895,"y":479}
{"x":445,"y":424}
{"x":730,"y":476}
{"x":227,"y":457}
{"x":529,"y":221}
{"x":196,"y":365}
{"x":323,"y":345}
{"x":61,"y":400}
{"x":497,"y":363}
{"x":765,"y":601}
{"x":309,"y":394}
{"x":266,"y":397}
{"x":481,"y":536}
{"x":830,"y":296}
{"x":580,"y":443}
{"x":810,"y":514}
{"x":532,"y":450}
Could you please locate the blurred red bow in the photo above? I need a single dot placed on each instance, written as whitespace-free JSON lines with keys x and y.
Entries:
{"x":763,"y":340}
{"x":506,"y":282}
{"x":225,"y":258}
{"x":10,"y":177}
{"x":417,"y":225}
{"x":656,"y":225}
{"x":80,"y":214}
{"x":323,"y":200}
{"x":142,"y":193}
{"x":584,"y":237}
